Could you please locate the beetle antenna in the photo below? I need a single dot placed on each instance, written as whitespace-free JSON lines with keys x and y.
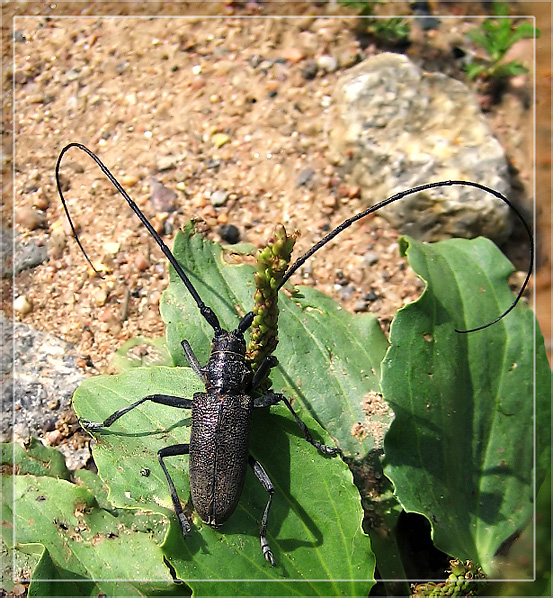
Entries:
{"x":206,"y":311}
{"x":347,"y":223}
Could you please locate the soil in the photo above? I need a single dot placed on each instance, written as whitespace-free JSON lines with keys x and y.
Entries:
{"x":203,"y":105}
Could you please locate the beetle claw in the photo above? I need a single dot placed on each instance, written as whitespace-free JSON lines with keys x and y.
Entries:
{"x":267,"y":551}
{"x":184,"y":524}
{"x":88,"y":425}
{"x":327,"y":450}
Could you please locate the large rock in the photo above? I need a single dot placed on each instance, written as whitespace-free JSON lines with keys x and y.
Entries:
{"x":39,"y":375}
{"x":394,"y":126}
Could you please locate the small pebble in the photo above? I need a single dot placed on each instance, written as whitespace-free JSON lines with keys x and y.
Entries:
{"x":166,"y":163}
{"x":162,"y":198}
{"x":309,"y":71}
{"x":40,"y":201}
{"x":272,"y":86}
{"x":106,"y":315}
{"x":81,"y":363}
{"x":428,"y":23}
{"x":167,"y":228}
{"x":354,"y":191}
{"x":292,"y":54}
{"x":219,"y":139}
{"x":154,"y":298}
{"x":327,"y":63}
{"x":304,"y":177}
{"x":371,"y":296}
{"x":22,"y":305}
{"x":100,"y":297}
{"x":329,"y":201}
{"x":74,"y":459}
{"x":218,"y":198}
{"x":360,"y":306}
{"x":345,"y":292}
{"x":255,"y":60}
{"x":229,"y":233}
{"x":129,"y":180}
{"x":370,"y":258}
{"x":197,"y":83}
{"x":29,"y":218}
{"x":348,"y":58}
{"x":72,"y":75}
{"x":53,"y":438}
{"x":49,"y":425}
{"x":141,"y":263}
{"x":112,"y":247}
{"x":131,"y":99}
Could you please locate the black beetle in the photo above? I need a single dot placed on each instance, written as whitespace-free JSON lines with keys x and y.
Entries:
{"x":218,"y":447}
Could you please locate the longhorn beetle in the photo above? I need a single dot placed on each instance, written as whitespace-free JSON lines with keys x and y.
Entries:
{"x":218,"y":448}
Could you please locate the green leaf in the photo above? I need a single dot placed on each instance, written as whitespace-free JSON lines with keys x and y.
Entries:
{"x":18,"y":565}
{"x":460,"y":450}
{"x":36,"y":460}
{"x":315,"y":524}
{"x":473,"y":70}
{"x":482,"y":39}
{"x":120,"y":452}
{"x":509,"y":69}
{"x":329,"y":359}
{"x":81,"y":542}
{"x":141,"y":351}
{"x":501,"y":9}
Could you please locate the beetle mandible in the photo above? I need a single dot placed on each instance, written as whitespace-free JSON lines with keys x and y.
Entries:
{"x":218,"y":447}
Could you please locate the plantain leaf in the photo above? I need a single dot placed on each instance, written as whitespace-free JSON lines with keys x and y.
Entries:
{"x":315,"y":524}
{"x":36,"y":460}
{"x":141,"y":351}
{"x":76,"y":541}
{"x":461,"y":448}
{"x":329,"y":359}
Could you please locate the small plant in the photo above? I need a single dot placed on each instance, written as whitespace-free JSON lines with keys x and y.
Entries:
{"x":394,"y":31}
{"x":365,"y":9}
{"x":496,"y":36}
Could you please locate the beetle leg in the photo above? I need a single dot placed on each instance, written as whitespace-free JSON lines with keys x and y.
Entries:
{"x":172,"y":451}
{"x":270,"y":362}
{"x":161,"y":399}
{"x":192,"y":359}
{"x":262,"y":476}
{"x":273,"y":399}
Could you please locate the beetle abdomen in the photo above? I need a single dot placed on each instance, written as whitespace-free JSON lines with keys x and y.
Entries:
{"x":218,"y":454}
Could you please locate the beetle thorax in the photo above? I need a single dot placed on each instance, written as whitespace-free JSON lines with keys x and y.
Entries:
{"x":227,"y":370}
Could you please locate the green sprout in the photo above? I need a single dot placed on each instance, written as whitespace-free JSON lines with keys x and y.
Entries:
{"x":395,"y":30}
{"x":496,"y":36}
{"x":365,"y":9}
